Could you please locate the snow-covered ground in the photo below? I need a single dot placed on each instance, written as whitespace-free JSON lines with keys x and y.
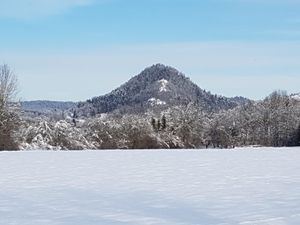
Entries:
{"x":247,"y":187}
{"x":155,"y":101}
{"x":163,"y":83}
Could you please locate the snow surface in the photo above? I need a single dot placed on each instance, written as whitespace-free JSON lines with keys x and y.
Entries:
{"x":155,"y":101}
{"x":246,"y":187}
{"x":163,"y":83}
{"x":296,"y":96}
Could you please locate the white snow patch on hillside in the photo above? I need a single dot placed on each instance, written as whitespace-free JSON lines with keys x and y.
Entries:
{"x":155,"y":101}
{"x":163,"y":87}
{"x":162,"y":187}
{"x":296,"y":96}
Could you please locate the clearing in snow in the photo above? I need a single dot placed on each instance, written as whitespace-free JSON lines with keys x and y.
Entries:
{"x":155,"y":101}
{"x":184,"y":187}
{"x":163,"y":84}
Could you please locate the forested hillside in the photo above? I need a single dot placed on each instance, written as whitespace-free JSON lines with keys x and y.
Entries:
{"x":273,"y":121}
{"x":159,"y":87}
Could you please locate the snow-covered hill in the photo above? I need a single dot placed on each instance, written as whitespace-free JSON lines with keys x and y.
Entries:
{"x":166,"y":85}
{"x":46,"y":106}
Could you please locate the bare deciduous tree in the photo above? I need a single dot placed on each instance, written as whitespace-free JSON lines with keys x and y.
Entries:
{"x":8,"y":85}
{"x":9,"y":119}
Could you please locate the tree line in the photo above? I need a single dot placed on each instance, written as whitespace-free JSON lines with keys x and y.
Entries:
{"x":273,"y":121}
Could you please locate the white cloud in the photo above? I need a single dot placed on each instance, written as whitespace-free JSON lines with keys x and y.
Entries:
{"x":38,"y":8}
{"x":264,"y":1}
{"x":229,"y":68}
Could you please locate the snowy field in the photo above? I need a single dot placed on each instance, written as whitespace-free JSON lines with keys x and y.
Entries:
{"x":247,"y":187}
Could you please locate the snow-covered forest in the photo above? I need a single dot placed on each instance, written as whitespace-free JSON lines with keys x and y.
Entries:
{"x":273,"y":121}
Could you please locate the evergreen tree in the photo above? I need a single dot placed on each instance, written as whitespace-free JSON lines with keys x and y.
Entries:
{"x":298,"y":136}
{"x":153,"y":123}
{"x":163,"y":122}
{"x":158,"y":125}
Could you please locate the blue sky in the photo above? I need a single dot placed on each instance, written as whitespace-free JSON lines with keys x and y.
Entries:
{"x":76,"y":49}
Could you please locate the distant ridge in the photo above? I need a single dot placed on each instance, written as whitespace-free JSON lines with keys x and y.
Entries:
{"x":45,"y":106}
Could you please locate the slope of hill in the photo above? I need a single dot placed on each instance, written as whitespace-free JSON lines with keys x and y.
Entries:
{"x":158,"y":86}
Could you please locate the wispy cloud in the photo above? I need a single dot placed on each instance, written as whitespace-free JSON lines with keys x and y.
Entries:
{"x":293,"y":20}
{"x":38,"y":8}
{"x":286,"y":32}
{"x":265,"y":1}
{"x":229,"y":68}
